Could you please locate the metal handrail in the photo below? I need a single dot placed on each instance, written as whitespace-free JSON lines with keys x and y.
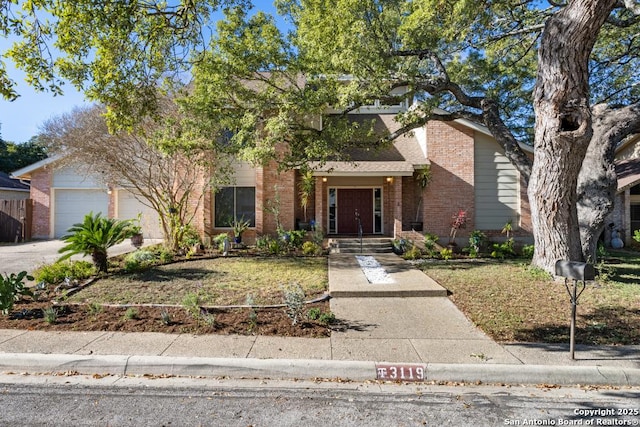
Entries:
{"x":359,"y":228}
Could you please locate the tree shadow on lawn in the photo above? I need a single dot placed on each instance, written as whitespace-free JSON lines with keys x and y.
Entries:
{"x":604,"y":326}
{"x":170,"y":274}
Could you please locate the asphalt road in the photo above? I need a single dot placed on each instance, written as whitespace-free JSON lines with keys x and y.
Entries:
{"x":131,"y":401}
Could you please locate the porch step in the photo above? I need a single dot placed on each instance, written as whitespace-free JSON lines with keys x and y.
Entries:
{"x":370,"y":245}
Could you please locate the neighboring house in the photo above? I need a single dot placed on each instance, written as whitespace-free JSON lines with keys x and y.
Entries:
{"x":12,"y":189}
{"x":62,"y":196}
{"x":626,"y":214}
{"x":469,"y":172}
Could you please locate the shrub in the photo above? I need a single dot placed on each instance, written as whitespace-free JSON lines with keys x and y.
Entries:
{"x":139,"y":259}
{"x":476,"y":240}
{"x":294,"y":300}
{"x":131,"y":314}
{"x":430,"y":241}
{"x":218,"y":241}
{"x":446,"y":253}
{"x":11,"y":289}
{"x":413,"y":253}
{"x":527,"y":251}
{"x":503,"y":250}
{"x":191,"y":303}
{"x":165,"y":256}
{"x":636,"y":236}
{"x":190,"y":237}
{"x":57,"y":272}
{"x":314,"y":313}
{"x":311,"y":249}
{"x":94,"y":236}
{"x":50,"y":315}
{"x":165,"y":317}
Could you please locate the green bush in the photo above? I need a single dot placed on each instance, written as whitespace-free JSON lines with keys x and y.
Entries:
{"x":527,"y":251}
{"x":503,"y":250}
{"x":636,"y":236}
{"x":139,"y":259}
{"x":413,"y":253}
{"x":94,"y":236}
{"x":11,"y":289}
{"x":446,"y":253}
{"x":56,"y":273}
{"x":218,"y":241}
{"x":311,"y":249}
{"x":430,"y":241}
{"x":190,"y":237}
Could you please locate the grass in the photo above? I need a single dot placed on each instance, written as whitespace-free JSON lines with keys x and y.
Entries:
{"x":512,"y":302}
{"x":219,"y":281}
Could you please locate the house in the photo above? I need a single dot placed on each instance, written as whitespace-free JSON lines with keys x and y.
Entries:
{"x":468,"y":167}
{"x":12,"y":189}
{"x":62,"y":195}
{"x":626,"y":212}
{"x":469,"y":172}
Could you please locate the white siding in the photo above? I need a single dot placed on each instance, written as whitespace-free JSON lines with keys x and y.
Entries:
{"x":69,"y":177}
{"x":497,"y":187}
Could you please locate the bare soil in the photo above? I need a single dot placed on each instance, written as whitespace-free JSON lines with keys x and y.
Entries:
{"x":29,"y":315}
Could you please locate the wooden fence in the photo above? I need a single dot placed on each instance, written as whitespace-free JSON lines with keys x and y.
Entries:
{"x":15,"y":220}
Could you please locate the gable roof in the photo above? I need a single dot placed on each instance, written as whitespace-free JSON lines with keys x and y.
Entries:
{"x":628,"y":172}
{"x":25,"y":172}
{"x":8,"y":183}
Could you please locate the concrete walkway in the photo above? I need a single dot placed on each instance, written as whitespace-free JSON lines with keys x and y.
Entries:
{"x":381,"y":325}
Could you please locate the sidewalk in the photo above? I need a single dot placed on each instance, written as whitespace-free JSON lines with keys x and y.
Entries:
{"x":385,"y":325}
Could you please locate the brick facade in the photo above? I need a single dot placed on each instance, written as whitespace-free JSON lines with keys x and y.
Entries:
{"x":41,"y":182}
{"x":451,"y":153}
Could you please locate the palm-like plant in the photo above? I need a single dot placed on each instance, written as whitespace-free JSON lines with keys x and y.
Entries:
{"x":94,"y":236}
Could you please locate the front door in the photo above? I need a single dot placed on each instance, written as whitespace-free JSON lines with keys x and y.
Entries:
{"x":350,"y":201}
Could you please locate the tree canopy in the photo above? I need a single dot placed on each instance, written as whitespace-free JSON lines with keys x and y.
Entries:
{"x":559,"y":75}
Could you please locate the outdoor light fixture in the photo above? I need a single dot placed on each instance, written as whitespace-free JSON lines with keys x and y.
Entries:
{"x":324,"y":179}
{"x":389,"y":179}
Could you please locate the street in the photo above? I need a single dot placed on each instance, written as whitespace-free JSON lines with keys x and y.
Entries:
{"x":29,"y":400}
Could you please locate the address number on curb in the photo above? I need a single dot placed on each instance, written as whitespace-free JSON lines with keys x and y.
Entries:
{"x":400,"y":372}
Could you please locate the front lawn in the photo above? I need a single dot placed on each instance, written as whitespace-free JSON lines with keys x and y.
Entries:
{"x":217,"y":281}
{"x":512,"y":302}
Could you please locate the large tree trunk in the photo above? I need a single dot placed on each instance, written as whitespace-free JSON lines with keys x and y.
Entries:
{"x":597,"y":181}
{"x":563,"y":128}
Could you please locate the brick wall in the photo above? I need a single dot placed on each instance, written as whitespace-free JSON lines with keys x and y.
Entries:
{"x":451,"y":153}
{"x":41,"y":194}
{"x":274,"y":185}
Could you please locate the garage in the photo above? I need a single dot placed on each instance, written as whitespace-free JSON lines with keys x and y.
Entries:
{"x":128,"y":207}
{"x":71,"y":205}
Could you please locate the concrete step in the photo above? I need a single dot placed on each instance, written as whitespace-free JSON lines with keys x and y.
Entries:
{"x":353,"y":245}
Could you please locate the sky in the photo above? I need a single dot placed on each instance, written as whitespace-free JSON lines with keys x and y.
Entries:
{"x":21,"y":119}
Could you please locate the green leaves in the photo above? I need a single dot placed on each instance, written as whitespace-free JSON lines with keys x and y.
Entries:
{"x":11,"y":289}
{"x":94,"y":236}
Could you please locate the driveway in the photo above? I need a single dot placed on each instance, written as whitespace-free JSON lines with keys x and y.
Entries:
{"x":28,"y":256}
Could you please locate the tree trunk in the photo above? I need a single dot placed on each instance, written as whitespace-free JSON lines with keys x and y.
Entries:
{"x":597,"y":181}
{"x":563,"y":128}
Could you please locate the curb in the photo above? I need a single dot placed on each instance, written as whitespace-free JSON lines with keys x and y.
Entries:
{"x":308,"y":369}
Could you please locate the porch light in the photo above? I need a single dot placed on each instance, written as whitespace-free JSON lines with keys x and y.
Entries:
{"x":324,"y":179}
{"x":389,"y":179}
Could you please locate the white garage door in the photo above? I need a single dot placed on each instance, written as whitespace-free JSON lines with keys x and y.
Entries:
{"x":71,"y":206}
{"x":128,"y":208}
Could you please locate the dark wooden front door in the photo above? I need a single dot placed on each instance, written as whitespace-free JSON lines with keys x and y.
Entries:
{"x":351,"y":200}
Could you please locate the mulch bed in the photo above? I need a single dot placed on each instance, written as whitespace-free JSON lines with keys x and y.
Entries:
{"x":29,"y":315}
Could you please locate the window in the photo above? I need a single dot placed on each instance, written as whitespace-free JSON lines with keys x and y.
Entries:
{"x":235,"y":203}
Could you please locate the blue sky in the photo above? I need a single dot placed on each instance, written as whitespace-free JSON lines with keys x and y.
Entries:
{"x":21,"y":119}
